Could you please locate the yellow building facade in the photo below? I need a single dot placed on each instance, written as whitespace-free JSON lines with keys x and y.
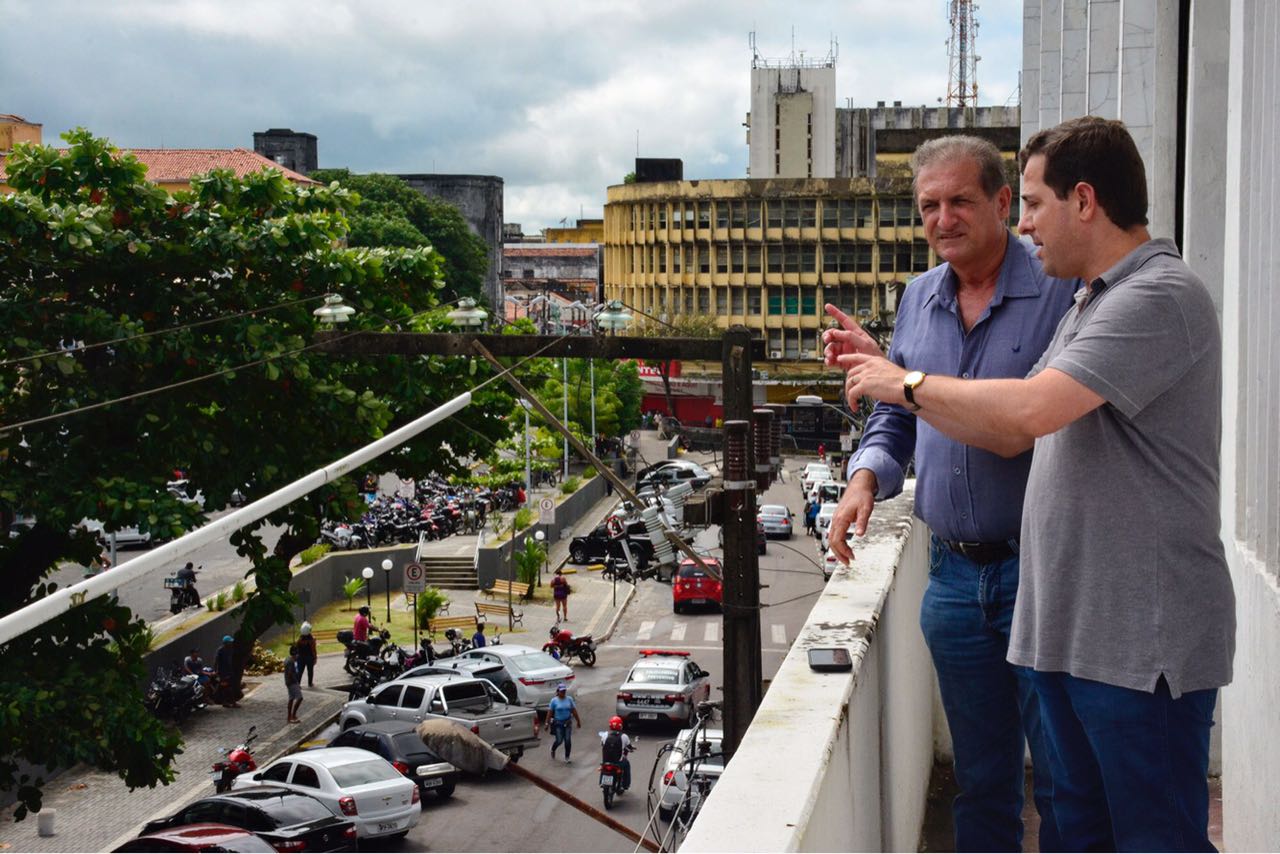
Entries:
{"x":766,"y":254}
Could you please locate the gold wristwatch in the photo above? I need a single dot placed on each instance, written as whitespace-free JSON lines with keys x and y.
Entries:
{"x":910,"y":383}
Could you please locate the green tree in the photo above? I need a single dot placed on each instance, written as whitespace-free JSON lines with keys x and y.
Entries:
{"x":391,"y":213}
{"x":208,"y":296}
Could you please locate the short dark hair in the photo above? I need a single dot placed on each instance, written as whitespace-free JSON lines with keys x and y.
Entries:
{"x":293,"y":649}
{"x":1100,"y":153}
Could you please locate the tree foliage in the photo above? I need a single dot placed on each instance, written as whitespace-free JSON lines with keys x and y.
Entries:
{"x":208,"y":295}
{"x":391,"y":213}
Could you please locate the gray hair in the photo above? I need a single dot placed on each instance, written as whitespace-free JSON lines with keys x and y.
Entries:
{"x":943,"y":149}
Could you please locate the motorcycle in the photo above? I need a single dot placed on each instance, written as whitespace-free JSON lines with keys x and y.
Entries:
{"x":182,"y":593}
{"x":359,"y":650}
{"x":611,"y":778}
{"x":563,"y":646}
{"x":174,"y":697}
{"x":238,"y":761}
{"x":458,"y":642}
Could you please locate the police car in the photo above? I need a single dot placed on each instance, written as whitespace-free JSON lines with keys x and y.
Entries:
{"x":663,"y":685}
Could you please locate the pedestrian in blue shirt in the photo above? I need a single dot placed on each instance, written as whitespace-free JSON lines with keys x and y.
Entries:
{"x":478,"y":640}
{"x":561,"y":712}
{"x":988,"y":311}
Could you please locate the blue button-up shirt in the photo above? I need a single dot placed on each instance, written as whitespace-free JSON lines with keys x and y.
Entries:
{"x":962,"y":492}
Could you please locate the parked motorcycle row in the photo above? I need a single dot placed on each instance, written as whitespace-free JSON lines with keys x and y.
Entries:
{"x":436,"y":511}
{"x":174,"y":695}
{"x":378,"y":660}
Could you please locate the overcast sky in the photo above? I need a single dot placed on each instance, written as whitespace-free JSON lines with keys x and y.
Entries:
{"x":548,"y":95}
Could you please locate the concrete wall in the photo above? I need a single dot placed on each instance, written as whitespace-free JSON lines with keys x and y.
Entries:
{"x":479,"y":199}
{"x":794,"y":105}
{"x":493,"y":562}
{"x":858,"y":746}
{"x":859,"y":128}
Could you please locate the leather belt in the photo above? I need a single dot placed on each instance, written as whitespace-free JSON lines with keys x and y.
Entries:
{"x":983,"y":553}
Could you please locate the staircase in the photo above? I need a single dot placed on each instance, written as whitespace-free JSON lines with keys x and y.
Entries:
{"x":455,"y":573}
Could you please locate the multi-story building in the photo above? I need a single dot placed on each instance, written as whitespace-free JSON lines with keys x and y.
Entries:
{"x":791,"y":126}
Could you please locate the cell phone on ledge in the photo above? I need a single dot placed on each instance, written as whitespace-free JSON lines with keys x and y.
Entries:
{"x":830,"y":659}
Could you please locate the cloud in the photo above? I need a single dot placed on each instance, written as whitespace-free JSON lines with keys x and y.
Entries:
{"x":549,"y":96}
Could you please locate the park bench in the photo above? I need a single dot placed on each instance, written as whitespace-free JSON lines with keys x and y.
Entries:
{"x":512,"y":616}
{"x":439,"y":624}
{"x":501,"y":587}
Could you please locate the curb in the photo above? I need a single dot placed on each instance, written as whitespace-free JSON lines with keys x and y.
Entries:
{"x":613,"y":624}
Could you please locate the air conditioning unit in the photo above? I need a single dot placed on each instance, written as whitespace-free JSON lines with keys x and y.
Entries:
{"x":775,"y":354}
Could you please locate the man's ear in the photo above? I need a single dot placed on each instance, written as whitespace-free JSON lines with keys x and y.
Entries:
{"x":1085,"y":201}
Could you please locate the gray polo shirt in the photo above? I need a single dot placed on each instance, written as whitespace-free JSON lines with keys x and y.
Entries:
{"x":1123,"y":576}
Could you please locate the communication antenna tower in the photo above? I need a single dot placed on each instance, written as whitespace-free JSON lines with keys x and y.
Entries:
{"x":962,"y":55}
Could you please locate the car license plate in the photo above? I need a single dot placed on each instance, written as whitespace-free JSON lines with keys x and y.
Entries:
{"x":697,"y":601}
{"x":386,"y":826}
{"x":432,"y":782}
{"x":606,"y":779}
{"x":648,"y":716}
{"x":215,"y":776}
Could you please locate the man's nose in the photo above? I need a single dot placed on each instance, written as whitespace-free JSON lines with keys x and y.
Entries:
{"x":946,"y":215}
{"x":1024,"y":223}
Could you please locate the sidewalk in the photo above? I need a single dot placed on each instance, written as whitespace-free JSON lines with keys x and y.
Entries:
{"x":95,"y":811}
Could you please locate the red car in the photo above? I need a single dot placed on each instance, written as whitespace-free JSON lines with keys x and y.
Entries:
{"x":692,"y":585}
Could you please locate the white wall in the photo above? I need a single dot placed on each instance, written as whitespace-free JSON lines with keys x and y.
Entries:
{"x":766,"y":83}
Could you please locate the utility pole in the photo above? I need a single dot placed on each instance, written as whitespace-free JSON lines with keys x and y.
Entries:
{"x":736,"y":349}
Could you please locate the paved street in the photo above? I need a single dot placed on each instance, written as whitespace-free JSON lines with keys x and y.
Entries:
{"x":88,"y":804}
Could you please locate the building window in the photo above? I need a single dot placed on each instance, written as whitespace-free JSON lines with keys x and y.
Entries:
{"x":863,"y":212}
{"x":753,"y":214}
{"x":722,"y":257}
{"x":886,"y":212}
{"x":808,"y":213}
{"x":704,"y":214}
{"x":848,"y":258}
{"x":919,"y":256}
{"x":775,"y":343}
{"x":528,"y":274}
{"x":775,"y":300}
{"x":662,"y":216}
{"x":808,"y":258}
{"x":722,"y":214}
{"x":902,"y":257}
{"x":688,"y":301}
{"x":830,"y":257}
{"x":661,"y":252}
{"x":704,"y":300}
{"x":753,"y":301}
{"x":738,"y":214}
{"x":739,"y":255}
{"x":862,"y":257}
{"x":773,"y":213}
{"x":791,"y":258}
{"x":739,"y":300}
{"x":830,"y":213}
{"x":808,"y":343}
{"x":721,"y":301}
{"x":791,"y":213}
{"x":689,"y":209}
{"x":677,"y":259}
{"x":906,"y":212}
{"x":791,"y":300}
{"x":808,"y":301}
{"x":753,"y":258}
{"x":704,"y":258}
{"x":773,"y":255}
{"x":886,"y":258}
{"x":688,"y":257}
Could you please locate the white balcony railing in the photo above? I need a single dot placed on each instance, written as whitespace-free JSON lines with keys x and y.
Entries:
{"x":841,"y":761}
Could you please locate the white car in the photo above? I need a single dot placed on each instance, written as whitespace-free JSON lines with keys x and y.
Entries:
{"x":528,"y":676}
{"x":354,"y":784}
{"x":703,"y":763}
{"x":823,"y":520}
{"x":812,"y":472}
{"x":823,"y":491}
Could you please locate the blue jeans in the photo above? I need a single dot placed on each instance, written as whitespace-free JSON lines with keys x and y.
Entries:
{"x":990,"y":705}
{"x":563,"y":732}
{"x":1130,"y":768}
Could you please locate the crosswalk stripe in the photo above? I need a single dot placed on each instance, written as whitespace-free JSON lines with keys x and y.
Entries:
{"x":677,"y":632}
{"x":779,"y":632}
{"x":646,"y":630}
{"x":712,"y":633}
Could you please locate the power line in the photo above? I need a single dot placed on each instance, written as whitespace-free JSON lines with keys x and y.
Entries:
{"x":81,"y":348}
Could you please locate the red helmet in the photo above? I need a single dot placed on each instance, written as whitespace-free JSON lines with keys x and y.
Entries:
{"x":615,"y":723}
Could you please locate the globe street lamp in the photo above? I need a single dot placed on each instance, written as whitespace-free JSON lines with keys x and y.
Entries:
{"x":541,"y":536}
{"x":367,"y":573}
{"x":386,"y":574}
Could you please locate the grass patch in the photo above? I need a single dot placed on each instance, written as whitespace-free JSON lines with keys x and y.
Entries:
{"x":311,"y":554}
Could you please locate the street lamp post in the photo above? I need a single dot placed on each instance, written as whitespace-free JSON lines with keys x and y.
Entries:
{"x":367,"y":574}
{"x":386,"y":574}
{"x":564,"y":363}
{"x":541,"y":537}
{"x":613,"y":317}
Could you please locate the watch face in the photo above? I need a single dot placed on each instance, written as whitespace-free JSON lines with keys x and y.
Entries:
{"x":913,"y":379}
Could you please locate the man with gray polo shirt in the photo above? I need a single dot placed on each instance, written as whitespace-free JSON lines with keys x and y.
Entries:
{"x":1125,"y":608}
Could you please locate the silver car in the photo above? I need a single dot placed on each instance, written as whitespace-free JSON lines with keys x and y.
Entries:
{"x":703,"y":763}
{"x":776,"y":519}
{"x":528,"y":676}
{"x":664,"y":685}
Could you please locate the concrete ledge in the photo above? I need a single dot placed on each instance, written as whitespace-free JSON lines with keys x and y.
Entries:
{"x":859,"y":745}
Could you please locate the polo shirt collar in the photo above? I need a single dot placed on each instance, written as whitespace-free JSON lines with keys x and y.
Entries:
{"x":1017,"y":278}
{"x":1127,"y":266}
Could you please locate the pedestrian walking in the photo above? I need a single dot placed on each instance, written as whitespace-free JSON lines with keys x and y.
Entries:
{"x":307,"y":654}
{"x":293,"y":684}
{"x":561,"y":712}
{"x":560,"y":591}
{"x":224,"y":670}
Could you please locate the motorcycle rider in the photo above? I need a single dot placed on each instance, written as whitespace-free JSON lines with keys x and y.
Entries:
{"x":191,"y":597}
{"x":360,"y":628}
{"x":614,"y":747}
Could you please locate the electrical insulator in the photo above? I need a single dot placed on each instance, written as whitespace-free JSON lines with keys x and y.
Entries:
{"x":737,"y":465}
{"x":662,"y":550}
{"x":679,"y":494}
{"x":762,"y":429}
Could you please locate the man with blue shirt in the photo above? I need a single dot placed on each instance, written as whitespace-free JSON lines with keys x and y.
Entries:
{"x":988,"y":311}
{"x":562,"y":712}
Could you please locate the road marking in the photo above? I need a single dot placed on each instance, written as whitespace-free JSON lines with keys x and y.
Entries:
{"x":696,"y":647}
{"x":646,"y":630}
{"x":713,"y":633}
{"x":779,"y":633}
{"x":677,"y":631}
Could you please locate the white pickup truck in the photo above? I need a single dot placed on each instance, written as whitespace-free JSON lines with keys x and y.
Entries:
{"x":473,"y":704}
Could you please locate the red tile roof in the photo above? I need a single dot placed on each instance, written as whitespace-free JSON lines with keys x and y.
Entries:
{"x":549,"y":249}
{"x":179,"y":165}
